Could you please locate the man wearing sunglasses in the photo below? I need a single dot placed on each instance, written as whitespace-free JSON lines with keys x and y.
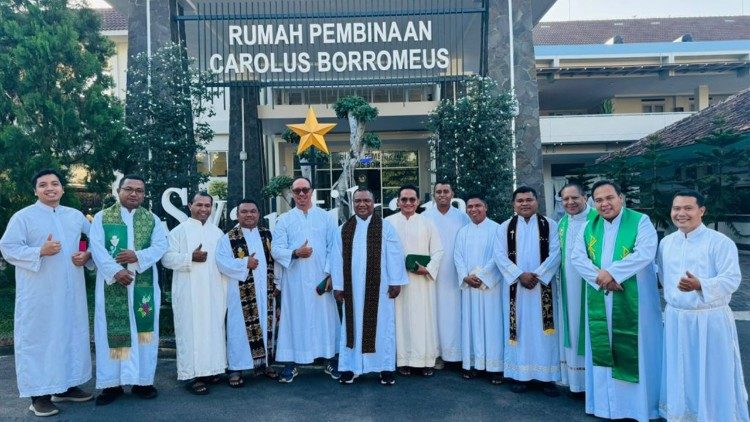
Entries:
{"x":417,"y":343}
{"x":309,"y":321}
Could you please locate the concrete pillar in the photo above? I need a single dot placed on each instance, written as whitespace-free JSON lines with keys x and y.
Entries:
{"x":528,"y":141}
{"x":701,"y":97}
{"x":253,"y":176}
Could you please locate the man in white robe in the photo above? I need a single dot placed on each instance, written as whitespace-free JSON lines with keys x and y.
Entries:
{"x":528,"y":266}
{"x":481,"y":294}
{"x":51,"y":325}
{"x":625,"y":382}
{"x":251,"y":320}
{"x":699,"y":268}
{"x":448,"y":220}
{"x":198,"y":297}
{"x":416,"y":307}
{"x":134,"y":365}
{"x":309,"y":322}
{"x":572,"y":361}
{"x":369,"y":293}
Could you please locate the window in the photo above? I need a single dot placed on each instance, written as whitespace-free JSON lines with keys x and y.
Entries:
{"x":212,"y":163}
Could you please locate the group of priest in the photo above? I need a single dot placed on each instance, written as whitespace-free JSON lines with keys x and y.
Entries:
{"x":572,"y":303}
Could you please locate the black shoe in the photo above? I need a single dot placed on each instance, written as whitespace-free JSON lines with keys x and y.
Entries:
{"x":74,"y":394}
{"x":387,"y":377}
{"x":43,"y":406}
{"x":347,"y":377}
{"x":519,"y":387}
{"x":577,"y":395}
{"x":144,"y":391}
{"x":108,"y":395}
{"x":550,"y":390}
{"x":496,"y":378}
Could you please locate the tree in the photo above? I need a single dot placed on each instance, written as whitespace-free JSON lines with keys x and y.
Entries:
{"x":472,"y":144}
{"x":652,"y":196}
{"x":724,"y":160}
{"x":358,"y":112}
{"x":55,"y":108}
{"x":168,"y":100}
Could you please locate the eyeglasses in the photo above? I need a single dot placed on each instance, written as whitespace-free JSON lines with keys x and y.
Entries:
{"x":130,"y":190}
{"x":301,"y":190}
{"x":411,"y":200}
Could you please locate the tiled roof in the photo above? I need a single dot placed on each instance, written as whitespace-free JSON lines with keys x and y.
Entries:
{"x":112,"y":20}
{"x":714,"y":28}
{"x":733,"y":110}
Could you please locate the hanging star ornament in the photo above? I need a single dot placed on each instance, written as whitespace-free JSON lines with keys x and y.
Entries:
{"x":311,"y":133}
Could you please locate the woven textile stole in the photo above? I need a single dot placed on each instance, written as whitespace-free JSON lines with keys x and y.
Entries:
{"x":117,"y":312}
{"x":372,"y":281}
{"x":248,"y":298}
{"x":548,"y":324}
{"x":563,"y":228}
{"x":622,"y":356}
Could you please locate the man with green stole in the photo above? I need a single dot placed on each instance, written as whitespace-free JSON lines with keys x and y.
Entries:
{"x":572,"y":362}
{"x":126,"y":243}
{"x":615,"y":254}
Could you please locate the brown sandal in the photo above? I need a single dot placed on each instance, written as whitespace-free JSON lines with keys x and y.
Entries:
{"x":235,"y":380}
{"x":197,"y":387}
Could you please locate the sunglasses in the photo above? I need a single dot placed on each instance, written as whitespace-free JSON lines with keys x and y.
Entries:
{"x":301,"y":190}
{"x":411,"y":200}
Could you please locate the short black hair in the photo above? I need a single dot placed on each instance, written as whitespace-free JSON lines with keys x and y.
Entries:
{"x":247,"y":201}
{"x":476,"y":196}
{"x":601,"y":183}
{"x":45,"y":172}
{"x":525,"y":189}
{"x":309,"y":183}
{"x":442,"y":182}
{"x":202,"y":193}
{"x":131,"y":176}
{"x":408,"y":187}
{"x":578,"y":186}
{"x":364,"y":189}
{"x":699,"y":198}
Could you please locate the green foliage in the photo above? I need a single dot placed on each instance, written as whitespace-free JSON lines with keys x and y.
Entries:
{"x":607,"y":106}
{"x":472,"y":144}
{"x":653,"y":195}
{"x":164,"y":120}
{"x":276,"y":186}
{"x":311,"y":154}
{"x":362,"y":111}
{"x":371,"y":140}
{"x":724,"y":161}
{"x":218,"y":189}
{"x":55,"y":106}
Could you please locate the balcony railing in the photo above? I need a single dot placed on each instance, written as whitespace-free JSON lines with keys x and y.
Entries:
{"x":590,"y":128}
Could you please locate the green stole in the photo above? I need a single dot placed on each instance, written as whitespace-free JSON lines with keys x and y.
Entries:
{"x":563,"y":227}
{"x":622,"y":356}
{"x":116,"y":307}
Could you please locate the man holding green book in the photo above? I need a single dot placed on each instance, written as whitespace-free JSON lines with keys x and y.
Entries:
{"x":127,"y":241}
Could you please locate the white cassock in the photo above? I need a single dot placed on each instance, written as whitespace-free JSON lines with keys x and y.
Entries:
{"x":536,"y":355}
{"x":572,"y":365}
{"x":607,"y":397}
{"x":448,"y":292}
{"x":309,"y":323}
{"x":198,"y":300}
{"x":702,"y":372}
{"x":481,"y":308}
{"x":392,"y":273}
{"x":140,"y":366}
{"x":51,"y":323}
{"x":239,"y":355}
{"x":416,"y":307}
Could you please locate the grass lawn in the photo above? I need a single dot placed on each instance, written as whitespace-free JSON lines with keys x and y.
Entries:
{"x":7,"y":304}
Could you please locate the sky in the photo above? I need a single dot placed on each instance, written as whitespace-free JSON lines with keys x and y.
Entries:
{"x":564,"y":10}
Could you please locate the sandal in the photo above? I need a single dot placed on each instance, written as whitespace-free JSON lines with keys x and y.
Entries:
{"x":235,"y":380}
{"x":468,"y":374}
{"x":197,"y":387}
{"x":212,"y":379}
{"x":271,"y":373}
{"x":404,"y":371}
{"x":428,"y":372}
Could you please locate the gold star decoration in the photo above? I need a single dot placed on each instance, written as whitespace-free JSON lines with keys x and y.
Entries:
{"x":311,"y":133}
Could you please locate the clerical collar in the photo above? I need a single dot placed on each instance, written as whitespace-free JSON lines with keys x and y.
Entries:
{"x":616,"y":220}
{"x":47,"y":207}
{"x":481,"y":222}
{"x":249,"y":229}
{"x":581,"y":215}
{"x":695,"y":232}
{"x":196,"y":221}
{"x":366,"y":220}
{"x":523,"y":219}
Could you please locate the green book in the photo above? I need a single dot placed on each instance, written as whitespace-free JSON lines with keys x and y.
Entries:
{"x":115,"y":238}
{"x":413,"y":259}
{"x":321,"y":287}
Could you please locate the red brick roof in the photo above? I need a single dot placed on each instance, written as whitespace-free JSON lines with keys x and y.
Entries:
{"x":112,"y":20}
{"x":714,"y":28}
